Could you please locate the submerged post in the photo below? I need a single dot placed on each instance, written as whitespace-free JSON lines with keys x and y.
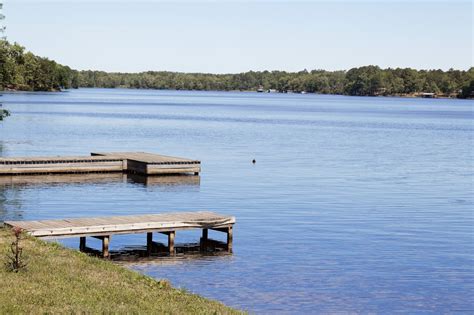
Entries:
{"x":105,"y":246}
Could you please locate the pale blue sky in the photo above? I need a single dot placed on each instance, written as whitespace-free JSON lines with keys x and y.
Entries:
{"x":237,"y":36}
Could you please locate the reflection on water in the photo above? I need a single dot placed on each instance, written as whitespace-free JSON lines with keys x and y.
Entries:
{"x":10,"y":196}
{"x":355,"y":205}
{"x":97,"y":178}
{"x":139,"y":255}
{"x":166,"y":180}
{"x":59,"y":179}
{"x":13,"y":188}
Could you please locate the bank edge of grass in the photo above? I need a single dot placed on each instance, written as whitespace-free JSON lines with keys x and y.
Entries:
{"x":60,"y":280}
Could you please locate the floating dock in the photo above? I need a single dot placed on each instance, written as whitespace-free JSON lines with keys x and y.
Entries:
{"x":104,"y":227}
{"x":128,"y":162}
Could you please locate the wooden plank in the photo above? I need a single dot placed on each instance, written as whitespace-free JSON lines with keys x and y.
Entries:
{"x":173,"y":170}
{"x":143,"y":157}
{"x":122,"y":232}
{"x":62,"y":168}
{"x":57,"y":159}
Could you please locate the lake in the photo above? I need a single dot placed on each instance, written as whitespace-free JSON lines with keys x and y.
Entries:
{"x":354,"y":204}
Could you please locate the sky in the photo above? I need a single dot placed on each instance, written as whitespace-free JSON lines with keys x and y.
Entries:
{"x":236,"y":36}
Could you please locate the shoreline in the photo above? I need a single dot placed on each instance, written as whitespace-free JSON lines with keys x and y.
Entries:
{"x":62,"y":280}
{"x":415,"y":95}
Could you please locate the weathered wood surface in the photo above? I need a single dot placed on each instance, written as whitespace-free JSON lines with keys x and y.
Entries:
{"x":153,"y":164}
{"x":67,"y":164}
{"x":55,"y":159}
{"x":81,"y":167}
{"x":133,"y":162}
{"x":105,"y":226}
{"x":149,"y":158}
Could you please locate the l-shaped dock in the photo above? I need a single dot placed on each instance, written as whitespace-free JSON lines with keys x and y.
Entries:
{"x":104,"y":227}
{"x":101,"y":162}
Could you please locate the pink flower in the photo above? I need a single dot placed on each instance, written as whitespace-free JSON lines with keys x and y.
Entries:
{"x":17,"y":231}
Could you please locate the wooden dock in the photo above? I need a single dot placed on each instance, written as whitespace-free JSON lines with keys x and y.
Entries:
{"x":104,"y":227}
{"x":128,"y":162}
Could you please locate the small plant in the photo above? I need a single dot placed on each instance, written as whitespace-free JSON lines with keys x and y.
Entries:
{"x":15,"y":261}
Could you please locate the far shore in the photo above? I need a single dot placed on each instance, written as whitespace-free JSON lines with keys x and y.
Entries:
{"x":411,"y":95}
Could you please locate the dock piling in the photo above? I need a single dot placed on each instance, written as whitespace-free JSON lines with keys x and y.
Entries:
{"x":171,"y":236}
{"x":149,"y":242}
{"x":204,"y":240}
{"x":105,"y":246}
{"x":82,"y":243}
{"x":229,"y":238}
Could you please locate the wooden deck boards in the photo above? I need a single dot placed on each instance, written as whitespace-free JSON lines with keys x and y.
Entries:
{"x":148,"y":158}
{"x":123,"y":224}
{"x":56,"y":159}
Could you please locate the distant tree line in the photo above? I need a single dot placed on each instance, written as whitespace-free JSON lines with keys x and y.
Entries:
{"x":363,"y":81}
{"x":22,"y":70}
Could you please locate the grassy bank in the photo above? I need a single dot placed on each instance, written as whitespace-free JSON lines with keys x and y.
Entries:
{"x":59,"y":280}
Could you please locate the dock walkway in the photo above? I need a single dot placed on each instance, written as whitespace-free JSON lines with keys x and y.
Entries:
{"x":129,"y":162}
{"x":104,"y":227}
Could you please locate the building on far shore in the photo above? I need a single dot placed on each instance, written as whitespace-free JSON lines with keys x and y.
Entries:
{"x":428,"y":95}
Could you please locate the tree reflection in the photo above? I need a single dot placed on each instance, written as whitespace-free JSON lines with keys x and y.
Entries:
{"x":10,"y":204}
{"x":3,"y":112}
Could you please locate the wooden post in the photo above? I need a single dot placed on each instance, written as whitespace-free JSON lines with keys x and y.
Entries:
{"x":171,"y":236}
{"x":204,"y":238}
{"x":149,"y":242}
{"x":229,"y":238}
{"x":105,"y":246}
{"x":82,"y":243}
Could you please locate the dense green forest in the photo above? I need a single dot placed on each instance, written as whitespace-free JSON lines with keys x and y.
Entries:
{"x":21,"y":70}
{"x":368,"y":80}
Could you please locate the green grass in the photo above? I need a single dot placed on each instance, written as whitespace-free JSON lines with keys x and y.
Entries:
{"x":60,"y":280}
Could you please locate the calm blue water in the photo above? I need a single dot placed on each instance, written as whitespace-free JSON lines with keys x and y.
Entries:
{"x":354,"y":205}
